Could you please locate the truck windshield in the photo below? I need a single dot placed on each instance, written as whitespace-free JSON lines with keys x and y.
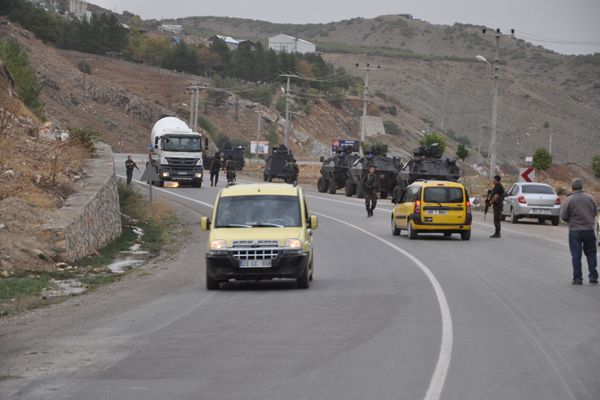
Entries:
{"x":258,"y":211}
{"x":182,"y":143}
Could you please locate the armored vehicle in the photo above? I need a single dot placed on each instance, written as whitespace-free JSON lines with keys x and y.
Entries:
{"x":275,"y":164}
{"x":236,"y":153}
{"x":427,"y":164}
{"x":386,"y":167}
{"x":334,"y":171}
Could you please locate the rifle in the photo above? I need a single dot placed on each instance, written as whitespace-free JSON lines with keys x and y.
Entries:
{"x":488,"y":202}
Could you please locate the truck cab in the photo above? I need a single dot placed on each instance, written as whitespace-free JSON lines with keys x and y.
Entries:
{"x":178,"y":152}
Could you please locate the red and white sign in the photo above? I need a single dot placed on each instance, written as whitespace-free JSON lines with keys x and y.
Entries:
{"x":527,"y":174}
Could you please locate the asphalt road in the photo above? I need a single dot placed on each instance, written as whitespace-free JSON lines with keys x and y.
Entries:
{"x":385,"y":318}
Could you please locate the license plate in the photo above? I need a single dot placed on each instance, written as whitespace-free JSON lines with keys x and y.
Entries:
{"x":540,"y":211}
{"x":182,"y":172}
{"x":438,"y":212}
{"x":255,"y":263}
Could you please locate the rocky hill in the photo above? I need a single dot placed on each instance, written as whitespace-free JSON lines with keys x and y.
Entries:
{"x":431,"y":70}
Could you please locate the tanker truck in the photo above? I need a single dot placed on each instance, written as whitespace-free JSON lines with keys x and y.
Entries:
{"x":177,"y":152}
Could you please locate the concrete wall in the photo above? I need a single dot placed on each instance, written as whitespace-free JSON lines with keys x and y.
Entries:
{"x":91,"y":218}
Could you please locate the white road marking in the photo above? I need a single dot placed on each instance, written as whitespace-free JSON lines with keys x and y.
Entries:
{"x":438,"y":379}
{"x":436,"y":385}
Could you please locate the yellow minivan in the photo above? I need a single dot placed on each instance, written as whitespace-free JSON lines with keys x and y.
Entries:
{"x":432,"y":207}
{"x":259,"y":231}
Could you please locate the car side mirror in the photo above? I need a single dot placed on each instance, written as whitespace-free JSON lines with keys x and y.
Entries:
{"x":314,"y":222}
{"x":156,"y":139}
{"x":322,"y":159}
{"x":204,"y":223}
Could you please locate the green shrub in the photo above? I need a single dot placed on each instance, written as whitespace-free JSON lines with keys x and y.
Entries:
{"x":391,"y":128}
{"x":85,"y":67}
{"x":15,"y":59}
{"x":542,"y":159}
{"x":84,"y":137}
{"x":596,"y":165}
{"x":432,"y":138}
{"x":462,"y":152}
{"x":392,"y":110}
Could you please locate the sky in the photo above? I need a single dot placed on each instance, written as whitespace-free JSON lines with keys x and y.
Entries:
{"x":565,"y":26}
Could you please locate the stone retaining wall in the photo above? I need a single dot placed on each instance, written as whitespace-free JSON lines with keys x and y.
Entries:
{"x":91,"y":218}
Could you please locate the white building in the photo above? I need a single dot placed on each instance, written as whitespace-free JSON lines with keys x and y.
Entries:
{"x":230,"y":42}
{"x":290,"y":44}
{"x":176,"y":29}
{"x":78,"y":8}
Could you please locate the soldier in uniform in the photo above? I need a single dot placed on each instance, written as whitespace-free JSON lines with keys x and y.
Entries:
{"x":496,"y":200}
{"x":215,"y":167}
{"x":129,"y":166}
{"x":291,"y":171}
{"x":371,"y":185}
{"x":230,"y":169}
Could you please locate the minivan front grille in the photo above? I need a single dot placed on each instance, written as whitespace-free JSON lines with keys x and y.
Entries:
{"x":255,"y":243}
{"x":255,"y":254}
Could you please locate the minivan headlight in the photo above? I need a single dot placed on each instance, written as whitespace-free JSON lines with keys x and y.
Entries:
{"x":218,"y":244}
{"x":293,"y":244}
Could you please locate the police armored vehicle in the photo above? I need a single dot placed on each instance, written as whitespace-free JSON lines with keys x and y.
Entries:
{"x":427,"y":164}
{"x":334,"y":171}
{"x":275,"y":164}
{"x":385,"y":167}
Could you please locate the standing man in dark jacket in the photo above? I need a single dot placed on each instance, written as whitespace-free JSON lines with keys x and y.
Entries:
{"x":496,"y":200}
{"x":129,"y":166}
{"x":371,"y":185}
{"x":579,"y":211}
{"x":215,"y":167}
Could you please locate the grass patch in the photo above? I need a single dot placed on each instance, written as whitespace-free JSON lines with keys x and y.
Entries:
{"x":15,"y":287}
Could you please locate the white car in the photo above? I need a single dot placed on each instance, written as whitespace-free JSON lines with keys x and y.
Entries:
{"x":531,"y":200}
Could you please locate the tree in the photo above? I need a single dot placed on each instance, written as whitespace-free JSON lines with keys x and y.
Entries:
{"x":462,"y":152}
{"x":392,"y":110}
{"x":542,"y":159}
{"x":432,"y":138}
{"x":596,"y":165}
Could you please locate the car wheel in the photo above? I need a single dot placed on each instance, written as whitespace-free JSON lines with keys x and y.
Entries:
{"x":331,"y":189}
{"x":303,"y":281}
{"x":349,"y":188}
{"x":465,"y":235}
{"x":412,"y":234}
{"x":395,"y":229}
{"x":312,"y":270}
{"x":322,"y":185}
{"x":197,"y":184}
{"x":513,"y":218}
{"x":555,"y":221}
{"x":211,"y":284}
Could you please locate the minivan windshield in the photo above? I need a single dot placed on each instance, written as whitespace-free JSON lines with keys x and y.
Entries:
{"x":258,"y":211}
{"x":443,"y":195}
{"x":539,"y":189}
{"x":182,"y":143}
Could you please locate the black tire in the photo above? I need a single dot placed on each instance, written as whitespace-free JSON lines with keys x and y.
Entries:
{"x":211,"y":284}
{"x":322,"y":185}
{"x":161,"y":183}
{"x":360,"y":191}
{"x":331,"y":187}
{"x":312,"y":270}
{"x":348,"y":188}
{"x":447,"y":234}
{"x":555,"y":221}
{"x":412,"y":234}
{"x":197,"y":184}
{"x":395,"y":230}
{"x":465,"y":235}
{"x":513,"y":218}
{"x":303,"y":281}
{"x":383,"y":195}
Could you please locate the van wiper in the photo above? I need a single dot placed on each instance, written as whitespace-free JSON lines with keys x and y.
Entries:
{"x":234,"y":226}
{"x":267,"y":224}
{"x":433,"y":201}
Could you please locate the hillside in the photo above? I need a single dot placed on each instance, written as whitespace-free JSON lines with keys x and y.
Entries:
{"x":431,"y":70}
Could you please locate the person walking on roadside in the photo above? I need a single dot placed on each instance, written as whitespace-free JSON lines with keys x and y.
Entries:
{"x":579,"y":211}
{"x":129,"y":166}
{"x":496,"y":201}
{"x":371,"y":185}
{"x":215,"y":167}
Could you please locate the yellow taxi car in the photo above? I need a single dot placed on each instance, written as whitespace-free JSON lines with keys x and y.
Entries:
{"x":432,"y":207}
{"x":259,"y":231}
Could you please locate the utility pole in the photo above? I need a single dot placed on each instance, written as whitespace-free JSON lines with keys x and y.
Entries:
{"x":493,"y":142}
{"x":363,"y":123}
{"x":258,"y":133}
{"x":194,"y":90}
{"x":287,"y":107}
